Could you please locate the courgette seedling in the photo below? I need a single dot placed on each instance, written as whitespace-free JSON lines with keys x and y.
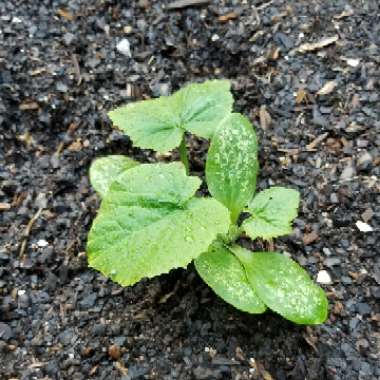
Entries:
{"x":151,"y":220}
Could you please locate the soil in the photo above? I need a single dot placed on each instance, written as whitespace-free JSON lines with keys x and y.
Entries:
{"x":60,"y":72}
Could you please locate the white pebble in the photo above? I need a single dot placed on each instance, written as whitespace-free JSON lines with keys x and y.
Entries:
{"x":124,"y":47}
{"x":323,"y":277}
{"x":363,"y":227}
{"x":42,"y":243}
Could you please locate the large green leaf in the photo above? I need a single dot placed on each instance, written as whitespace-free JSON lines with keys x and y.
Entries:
{"x":284,"y":286}
{"x":149,"y":224}
{"x":104,"y":170}
{"x":159,"y":123}
{"x":223,"y":272}
{"x":232,"y":165}
{"x":272,"y":213}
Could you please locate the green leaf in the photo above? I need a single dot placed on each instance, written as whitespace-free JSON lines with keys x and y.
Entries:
{"x":152,"y":185}
{"x":223,"y":272}
{"x":284,"y":286}
{"x":104,"y":170}
{"x":149,"y":224}
{"x":159,"y":123}
{"x":272,"y":210}
{"x":203,"y":106}
{"x":232,"y":165}
{"x":151,"y":124}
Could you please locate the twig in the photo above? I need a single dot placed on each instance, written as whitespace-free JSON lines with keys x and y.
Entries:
{"x":179,"y":4}
{"x":77,"y":69}
{"x":316,"y":141}
{"x":25,"y":236}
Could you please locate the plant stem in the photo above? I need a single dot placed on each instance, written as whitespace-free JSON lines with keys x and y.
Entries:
{"x":183,"y":154}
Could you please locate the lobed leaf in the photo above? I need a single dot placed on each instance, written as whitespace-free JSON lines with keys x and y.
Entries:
{"x":160,"y":123}
{"x":232,"y":165}
{"x":223,"y":272}
{"x":203,"y":106}
{"x":149,"y":224}
{"x":284,"y":286}
{"x":151,"y":124}
{"x":272,"y":211}
{"x":104,"y":170}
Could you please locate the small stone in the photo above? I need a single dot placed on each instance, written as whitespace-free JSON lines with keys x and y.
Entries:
{"x":364,"y":160}
{"x":323,"y":277}
{"x":332,"y":261}
{"x":61,"y":87}
{"x":363,"y":227}
{"x":88,"y":301}
{"x":363,"y":308}
{"x":124,"y":47}
{"x":42,"y":243}
{"x":68,"y":38}
{"x":347,"y":173}
{"x":5,"y":331}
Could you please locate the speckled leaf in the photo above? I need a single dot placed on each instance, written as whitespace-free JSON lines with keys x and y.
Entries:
{"x":232,"y":165}
{"x":149,"y":224}
{"x":104,"y":170}
{"x":153,"y":185}
{"x":272,"y":211}
{"x":203,"y":106}
{"x":284,"y":286}
{"x":159,"y":123}
{"x":223,"y":272}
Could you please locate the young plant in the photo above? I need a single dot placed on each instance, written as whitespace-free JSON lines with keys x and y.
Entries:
{"x":151,"y":220}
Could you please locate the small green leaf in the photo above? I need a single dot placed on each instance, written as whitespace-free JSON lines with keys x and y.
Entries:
{"x":272,"y":211}
{"x":149,"y":224}
{"x":203,"y":106}
{"x":232,"y":165}
{"x":159,"y":123}
{"x":104,"y":170}
{"x":151,"y":124}
{"x":223,"y":272}
{"x":284,"y":286}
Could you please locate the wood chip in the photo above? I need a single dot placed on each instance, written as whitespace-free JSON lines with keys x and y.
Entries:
{"x":27,"y":231}
{"x":301,"y":96}
{"x":316,"y":142}
{"x":121,"y":368}
{"x":65,"y":14}
{"x":367,"y":215}
{"x":328,"y":88}
{"x":179,"y":4}
{"x":4,"y":206}
{"x":265,"y":118}
{"x":228,"y":16}
{"x":346,"y":13}
{"x":310,"y":237}
{"x":28,"y":106}
{"x":114,"y":352}
{"x":76,"y":146}
{"x":313,"y":46}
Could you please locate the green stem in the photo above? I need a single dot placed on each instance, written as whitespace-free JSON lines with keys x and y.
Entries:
{"x":183,"y":154}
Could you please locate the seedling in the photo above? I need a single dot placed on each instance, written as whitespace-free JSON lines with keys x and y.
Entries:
{"x":151,"y":220}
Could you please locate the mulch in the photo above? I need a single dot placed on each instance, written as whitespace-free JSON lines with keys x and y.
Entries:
{"x":307,"y":73}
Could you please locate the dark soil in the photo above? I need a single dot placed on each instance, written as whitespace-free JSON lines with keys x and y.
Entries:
{"x":59,"y":74}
